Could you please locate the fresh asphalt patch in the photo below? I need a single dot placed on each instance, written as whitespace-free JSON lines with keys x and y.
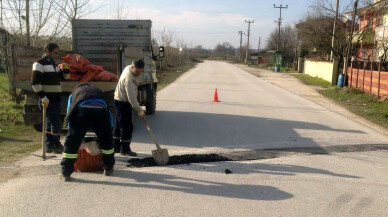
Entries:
{"x":257,"y":154}
{"x":178,"y":159}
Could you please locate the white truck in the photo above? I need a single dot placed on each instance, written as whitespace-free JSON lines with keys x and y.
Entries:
{"x":113,"y":44}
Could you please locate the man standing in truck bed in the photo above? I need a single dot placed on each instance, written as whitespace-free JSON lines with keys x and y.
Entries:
{"x":45,"y":81}
{"x":126,"y":99}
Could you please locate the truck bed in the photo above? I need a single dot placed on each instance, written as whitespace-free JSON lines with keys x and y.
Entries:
{"x":68,"y":86}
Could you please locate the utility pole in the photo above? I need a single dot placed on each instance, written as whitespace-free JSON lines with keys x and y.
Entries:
{"x":334,"y":31}
{"x":345,"y":69}
{"x":258,"y":49}
{"x":240,"y":50}
{"x":28,"y":21}
{"x":248,"y":34}
{"x":279,"y":22}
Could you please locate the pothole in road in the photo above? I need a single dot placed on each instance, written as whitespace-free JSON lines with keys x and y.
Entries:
{"x":178,"y":159}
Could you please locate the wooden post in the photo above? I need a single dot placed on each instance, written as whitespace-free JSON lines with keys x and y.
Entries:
{"x":363,"y":80}
{"x":378,"y":89}
{"x":351,"y":74}
{"x":357,"y":77}
{"x":371,"y":79}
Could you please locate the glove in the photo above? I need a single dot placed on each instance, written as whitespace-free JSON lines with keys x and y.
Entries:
{"x":141,"y":114}
{"x":64,"y":66}
{"x":40,"y":104}
{"x":42,"y":100}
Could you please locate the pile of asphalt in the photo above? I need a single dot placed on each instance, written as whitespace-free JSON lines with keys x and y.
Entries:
{"x":178,"y":159}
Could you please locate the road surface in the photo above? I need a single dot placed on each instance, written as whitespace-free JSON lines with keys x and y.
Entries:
{"x":253,"y":114}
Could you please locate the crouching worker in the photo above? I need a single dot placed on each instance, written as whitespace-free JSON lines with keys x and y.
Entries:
{"x":86,"y":110}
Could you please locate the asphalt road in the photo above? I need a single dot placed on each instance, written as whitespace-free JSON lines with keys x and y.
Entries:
{"x":252,"y":114}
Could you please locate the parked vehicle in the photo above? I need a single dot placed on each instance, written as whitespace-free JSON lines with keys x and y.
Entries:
{"x":112,"y":44}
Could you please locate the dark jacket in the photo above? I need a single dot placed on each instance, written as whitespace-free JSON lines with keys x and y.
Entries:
{"x":46,"y":78}
{"x":82,"y":93}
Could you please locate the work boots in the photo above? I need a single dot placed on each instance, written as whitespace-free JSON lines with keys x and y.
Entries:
{"x":65,"y":178}
{"x":57,"y":149}
{"x":117,"y":145}
{"x":126,"y":149}
{"x":53,"y":144}
{"x":108,"y":172}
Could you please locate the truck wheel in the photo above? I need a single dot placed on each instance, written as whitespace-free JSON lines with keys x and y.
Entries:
{"x":151,"y":106}
{"x":38,"y":127}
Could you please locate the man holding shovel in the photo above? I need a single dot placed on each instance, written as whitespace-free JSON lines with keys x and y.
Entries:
{"x":45,"y":81}
{"x":125,"y":100}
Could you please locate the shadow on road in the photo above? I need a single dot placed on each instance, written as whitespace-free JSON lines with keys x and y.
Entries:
{"x":198,"y":130}
{"x":271,"y":169}
{"x":193,"y":186}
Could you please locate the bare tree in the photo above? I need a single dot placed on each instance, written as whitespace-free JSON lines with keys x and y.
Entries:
{"x":70,"y":10}
{"x":5,"y":52}
{"x":47,"y":23}
{"x":49,"y":19}
{"x":288,"y":42}
{"x":165,"y":38}
{"x":118,"y":8}
{"x":224,"y":50}
{"x":326,"y":8}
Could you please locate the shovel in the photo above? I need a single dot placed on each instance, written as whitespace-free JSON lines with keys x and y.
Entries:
{"x":160,"y":155}
{"x":45,"y":103}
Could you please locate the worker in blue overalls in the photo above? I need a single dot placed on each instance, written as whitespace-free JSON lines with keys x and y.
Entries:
{"x":86,"y":110}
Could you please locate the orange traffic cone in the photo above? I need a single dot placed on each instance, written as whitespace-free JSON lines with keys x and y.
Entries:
{"x":215,"y":99}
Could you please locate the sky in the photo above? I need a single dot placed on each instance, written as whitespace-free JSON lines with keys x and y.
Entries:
{"x":207,"y":22}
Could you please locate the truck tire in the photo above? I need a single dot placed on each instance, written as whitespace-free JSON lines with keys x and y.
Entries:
{"x":38,"y":127}
{"x":151,"y":106}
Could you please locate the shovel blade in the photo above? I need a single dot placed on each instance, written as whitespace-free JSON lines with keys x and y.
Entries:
{"x":160,"y":156}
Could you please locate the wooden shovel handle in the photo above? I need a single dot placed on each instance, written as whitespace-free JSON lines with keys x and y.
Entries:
{"x":44,"y":133}
{"x":45,"y":102}
{"x":151,"y":133}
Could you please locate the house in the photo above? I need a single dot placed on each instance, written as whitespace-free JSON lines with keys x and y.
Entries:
{"x":4,"y":38}
{"x":371,"y":31}
{"x":254,"y":57}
